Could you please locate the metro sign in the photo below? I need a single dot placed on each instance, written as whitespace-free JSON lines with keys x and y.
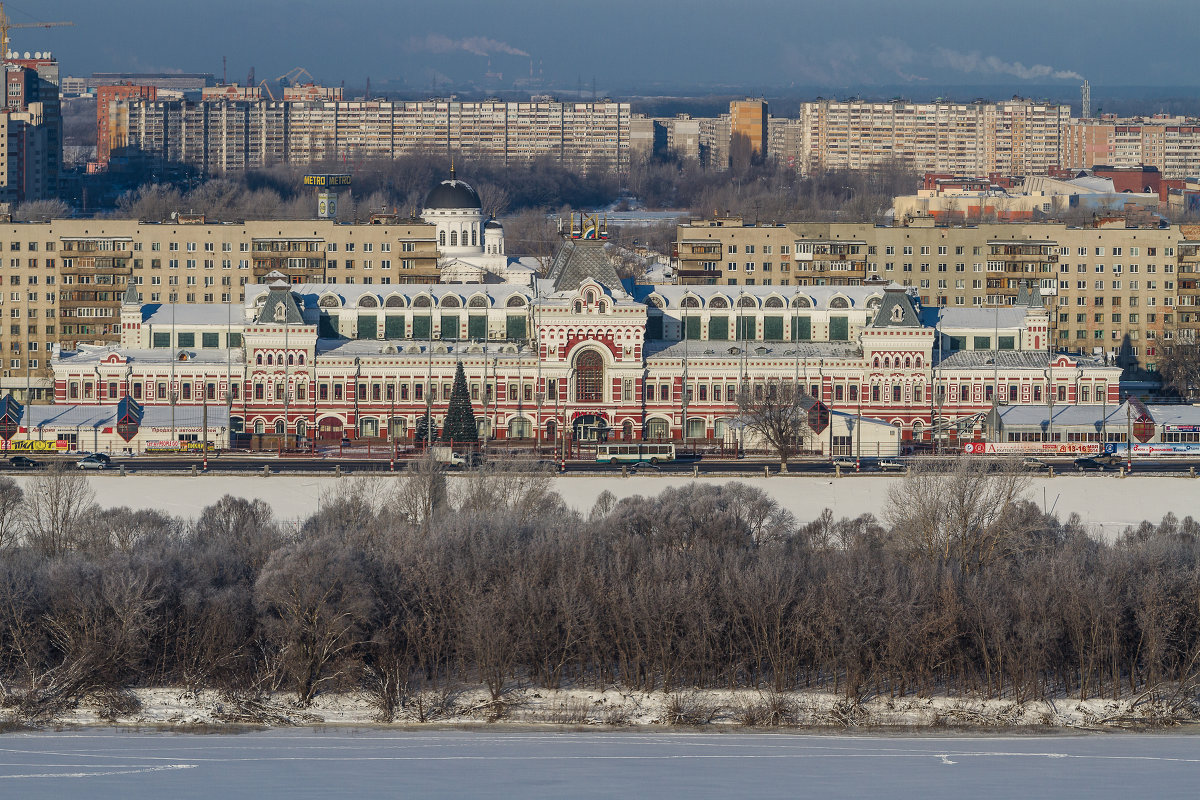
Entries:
{"x":8,"y":429}
{"x":127,"y":430}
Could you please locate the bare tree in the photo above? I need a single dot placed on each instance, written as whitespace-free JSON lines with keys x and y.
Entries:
{"x":41,"y":211}
{"x":494,"y":198}
{"x":777,"y":415}
{"x":422,"y":495}
{"x":11,"y":508}
{"x":519,"y":485}
{"x":960,"y":509}
{"x":1180,"y":368}
{"x":56,"y":504}
{"x":313,"y":599}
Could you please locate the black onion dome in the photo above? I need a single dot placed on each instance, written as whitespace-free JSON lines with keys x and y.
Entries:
{"x":452,"y":194}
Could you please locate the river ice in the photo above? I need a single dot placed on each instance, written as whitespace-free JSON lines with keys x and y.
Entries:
{"x":367,"y":763}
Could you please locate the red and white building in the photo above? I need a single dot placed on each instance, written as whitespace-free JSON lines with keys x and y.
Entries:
{"x":579,"y":354}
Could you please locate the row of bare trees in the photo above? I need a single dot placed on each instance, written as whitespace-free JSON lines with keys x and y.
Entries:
{"x":400,"y":585}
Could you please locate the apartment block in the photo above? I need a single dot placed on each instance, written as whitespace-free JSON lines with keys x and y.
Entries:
{"x":112,"y":119}
{"x":1172,"y":144}
{"x":32,"y":130}
{"x":62,"y":281}
{"x":220,"y":134}
{"x":748,"y":118}
{"x":1113,"y":290}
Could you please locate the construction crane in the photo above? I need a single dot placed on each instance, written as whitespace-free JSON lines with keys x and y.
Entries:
{"x":291,"y":76}
{"x":6,"y":26}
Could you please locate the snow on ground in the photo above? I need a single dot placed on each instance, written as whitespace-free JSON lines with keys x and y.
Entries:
{"x":725,"y":709}
{"x":1108,"y":504}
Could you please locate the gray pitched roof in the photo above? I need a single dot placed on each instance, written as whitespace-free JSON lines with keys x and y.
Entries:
{"x":130,"y":298}
{"x":579,"y":259}
{"x":280,"y":307}
{"x":1015,"y":359}
{"x":1027,"y":297}
{"x":896,"y":311}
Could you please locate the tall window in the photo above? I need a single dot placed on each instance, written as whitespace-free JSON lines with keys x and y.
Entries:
{"x":589,"y":377}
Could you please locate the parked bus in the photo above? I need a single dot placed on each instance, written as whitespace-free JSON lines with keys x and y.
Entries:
{"x":635,"y":453}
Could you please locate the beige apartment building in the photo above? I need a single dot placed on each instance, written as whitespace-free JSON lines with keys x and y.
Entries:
{"x":1172,"y":144}
{"x":221,"y":136}
{"x":63,"y":280}
{"x":1114,"y":290}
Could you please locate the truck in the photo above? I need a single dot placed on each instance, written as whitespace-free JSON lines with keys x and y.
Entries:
{"x":447,"y":457}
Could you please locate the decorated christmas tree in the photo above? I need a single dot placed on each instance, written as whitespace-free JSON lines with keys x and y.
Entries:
{"x":459,"y":426}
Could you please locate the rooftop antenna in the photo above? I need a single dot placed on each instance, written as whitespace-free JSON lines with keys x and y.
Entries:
{"x":223,"y":72}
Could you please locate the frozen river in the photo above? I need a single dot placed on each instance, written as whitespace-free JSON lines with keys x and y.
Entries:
{"x":368,"y":763}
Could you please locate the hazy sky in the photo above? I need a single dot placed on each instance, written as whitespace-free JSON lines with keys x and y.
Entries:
{"x":624,"y":44}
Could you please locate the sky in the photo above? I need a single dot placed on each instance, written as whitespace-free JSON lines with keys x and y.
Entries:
{"x":629,"y":46}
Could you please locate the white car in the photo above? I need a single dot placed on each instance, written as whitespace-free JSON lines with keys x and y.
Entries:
{"x":91,"y":462}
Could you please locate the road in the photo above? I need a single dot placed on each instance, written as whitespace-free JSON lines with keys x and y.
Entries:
{"x":226,"y":463}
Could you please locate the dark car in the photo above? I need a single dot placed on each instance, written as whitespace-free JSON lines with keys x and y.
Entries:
{"x":1089,"y":464}
{"x":22,"y":462}
{"x":103,"y":458}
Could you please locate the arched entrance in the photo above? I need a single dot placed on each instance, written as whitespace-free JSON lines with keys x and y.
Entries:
{"x":589,"y":428}
{"x":329,"y":428}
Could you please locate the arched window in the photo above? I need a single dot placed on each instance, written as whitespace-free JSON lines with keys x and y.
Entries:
{"x":718,"y":302}
{"x":454,"y":238}
{"x":690,"y":302}
{"x":907,"y":362}
{"x":773,"y":302}
{"x":421,"y":302}
{"x":368,"y":301}
{"x":472,"y":237}
{"x":442,"y":239}
{"x":478,"y":301}
{"x":578,"y":307}
{"x":300,"y":359}
{"x":395,"y":301}
{"x":887,"y":362}
{"x":259,"y":427}
{"x":291,"y":360}
{"x":258,"y":359}
{"x":270,"y":359}
{"x":918,"y":362}
{"x":450,"y":301}
{"x":747,"y":301}
{"x":801,"y":302}
{"x":875,"y":363}
{"x":838,"y":302}
{"x":589,"y":377}
{"x":515,"y":301}
{"x":279,"y":426}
